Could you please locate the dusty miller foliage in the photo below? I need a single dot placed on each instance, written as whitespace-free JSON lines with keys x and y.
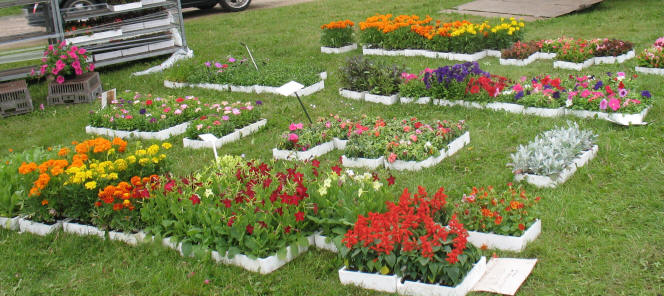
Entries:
{"x":552,"y":150}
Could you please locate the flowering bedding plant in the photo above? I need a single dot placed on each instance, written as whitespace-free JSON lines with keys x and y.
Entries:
{"x":67,"y":185}
{"x":610,"y":47}
{"x":413,"y":32}
{"x":519,"y":50}
{"x":337,"y":33}
{"x":362,"y":74}
{"x":653,"y":57}
{"x":147,"y":113}
{"x":223,"y":119}
{"x":613,"y":92}
{"x":12,"y":188}
{"x":508,"y":213}
{"x":241,"y":72}
{"x":448,"y":82}
{"x":342,"y":195}
{"x":119,"y":205}
{"x":406,"y":139}
{"x":63,"y":61}
{"x":302,"y":137}
{"x":407,"y":241}
{"x":234,"y":206}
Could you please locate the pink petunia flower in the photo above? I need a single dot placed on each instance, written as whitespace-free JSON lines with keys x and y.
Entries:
{"x":614,"y":104}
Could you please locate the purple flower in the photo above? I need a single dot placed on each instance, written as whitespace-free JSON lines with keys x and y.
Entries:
{"x":231,"y":60}
{"x":622,"y":92}
{"x":518,"y":96}
{"x":208,"y":64}
{"x":259,"y":102}
{"x":217,"y":64}
{"x":598,"y":85}
{"x":142,"y":111}
{"x":556,"y":95}
{"x":603,"y":104}
{"x":646,"y":94}
{"x":225,"y":117}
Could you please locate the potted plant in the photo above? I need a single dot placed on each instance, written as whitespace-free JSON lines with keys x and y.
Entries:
{"x":337,"y":37}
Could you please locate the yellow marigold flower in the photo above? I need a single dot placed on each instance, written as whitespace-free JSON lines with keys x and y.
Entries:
{"x":166,"y":145}
{"x":113,"y":176}
{"x":126,"y":203}
{"x":120,"y":164}
{"x":131,"y":159}
{"x":110,"y":151}
{"x":91,"y":185}
{"x":162,"y":156}
{"x":152,"y":150}
{"x":141,"y":152}
{"x":143,"y":161}
{"x":155,"y":160}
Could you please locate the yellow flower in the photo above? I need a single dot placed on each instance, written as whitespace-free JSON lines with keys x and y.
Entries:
{"x":143,"y":161}
{"x":141,"y":152}
{"x":113,"y":176}
{"x":166,"y":145}
{"x":152,"y":150}
{"x":110,"y":151}
{"x":155,"y":160}
{"x":131,"y":159}
{"x":91,"y":185}
{"x":120,"y":164}
{"x":126,"y":203}
{"x":162,"y":156}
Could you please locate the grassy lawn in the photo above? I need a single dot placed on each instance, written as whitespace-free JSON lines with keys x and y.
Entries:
{"x":602,"y":229}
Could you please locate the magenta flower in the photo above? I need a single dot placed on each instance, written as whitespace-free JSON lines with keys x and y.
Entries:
{"x":236,"y":111}
{"x":60,"y":79}
{"x":41,"y":106}
{"x":91,"y":67}
{"x":293,"y":138}
{"x":622,"y":92}
{"x":294,"y":126}
{"x":231,"y":60}
{"x":224,"y":117}
{"x":603,"y":104}
{"x":208,"y":64}
{"x":614,"y":104}
{"x":217,"y":64}
{"x":81,"y":51}
{"x":585,"y":93}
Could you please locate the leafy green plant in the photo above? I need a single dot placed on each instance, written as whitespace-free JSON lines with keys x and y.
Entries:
{"x":14,"y":188}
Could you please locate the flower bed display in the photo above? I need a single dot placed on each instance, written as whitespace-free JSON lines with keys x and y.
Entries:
{"x":406,"y":244}
{"x":611,"y":97}
{"x":505,"y":221}
{"x":368,"y":80}
{"x":651,"y":60}
{"x":312,"y":141}
{"x":520,"y":54}
{"x":239,"y":75}
{"x":228,"y":122}
{"x":37,"y":228}
{"x":459,"y":40}
{"x":553,"y":156}
{"x":249,"y":208}
{"x":337,"y":37}
{"x":146,"y":117}
{"x":67,"y":185}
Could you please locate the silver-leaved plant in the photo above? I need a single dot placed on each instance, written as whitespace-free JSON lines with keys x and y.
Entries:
{"x":552,"y":150}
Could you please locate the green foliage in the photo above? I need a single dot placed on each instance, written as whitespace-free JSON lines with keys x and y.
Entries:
{"x":336,"y":37}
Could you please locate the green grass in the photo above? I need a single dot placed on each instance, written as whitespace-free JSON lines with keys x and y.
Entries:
{"x":602,"y":229}
{"x":14,"y":10}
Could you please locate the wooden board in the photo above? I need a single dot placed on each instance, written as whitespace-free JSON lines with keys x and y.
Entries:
{"x":526,"y":9}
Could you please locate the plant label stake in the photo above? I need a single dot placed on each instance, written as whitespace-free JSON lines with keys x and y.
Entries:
{"x":107,"y":98}
{"x":250,"y":55}
{"x":211,"y":139}
{"x":291,"y":88}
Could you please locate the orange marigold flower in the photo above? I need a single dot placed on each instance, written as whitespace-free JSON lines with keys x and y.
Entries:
{"x":27,"y":168}
{"x":44,"y":202}
{"x":117,"y":206}
{"x":34,"y":192}
{"x":63,"y":151}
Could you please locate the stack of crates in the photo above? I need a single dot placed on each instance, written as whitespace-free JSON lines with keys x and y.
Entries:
{"x":82,"y":89}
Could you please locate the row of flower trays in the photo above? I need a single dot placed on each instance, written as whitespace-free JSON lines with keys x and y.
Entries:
{"x":566,"y":64}
{"x":316,"y":87}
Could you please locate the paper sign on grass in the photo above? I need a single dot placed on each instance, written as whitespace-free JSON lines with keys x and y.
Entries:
{"x":505,"y":275}
{"x":289,"y":88}
{"x":107,"y":97}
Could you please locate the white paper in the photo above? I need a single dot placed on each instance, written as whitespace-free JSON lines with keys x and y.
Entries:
{"x":505,"y":275}
{"x":289,"y":88}
{"x":107,"y":97}
{"x":210,"y":138}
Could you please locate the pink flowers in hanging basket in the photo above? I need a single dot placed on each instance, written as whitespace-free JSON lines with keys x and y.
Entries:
{"x":64,"y":61}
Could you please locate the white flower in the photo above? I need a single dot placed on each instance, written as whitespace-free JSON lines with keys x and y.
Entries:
{"x":350,"y":173}
{"x":208,"y":192}
{"x":322,"y":190}
{"x":569,"y":102}
{"x":376,"y":185}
